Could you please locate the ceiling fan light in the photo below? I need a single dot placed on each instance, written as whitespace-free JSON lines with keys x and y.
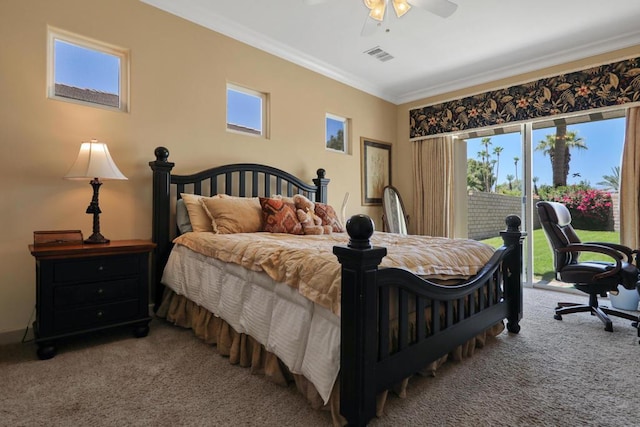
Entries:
{"x":401,"y":7}
{"x":372,"y":3}
{"x":377,"y":12}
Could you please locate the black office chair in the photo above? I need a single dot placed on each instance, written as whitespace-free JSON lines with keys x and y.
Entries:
{"x":596,"y":278}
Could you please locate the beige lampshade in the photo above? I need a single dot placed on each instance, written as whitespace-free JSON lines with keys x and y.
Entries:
{"x":94,"y":161}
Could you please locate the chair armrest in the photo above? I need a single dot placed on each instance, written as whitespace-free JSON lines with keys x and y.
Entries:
{"x":620,"y":248}
{"x":597,"y":248}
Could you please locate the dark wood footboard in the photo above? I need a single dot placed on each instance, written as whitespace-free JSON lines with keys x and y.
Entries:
{"x":432,"y":319}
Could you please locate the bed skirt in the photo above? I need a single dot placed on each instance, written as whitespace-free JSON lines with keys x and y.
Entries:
{"x":243,"y":350}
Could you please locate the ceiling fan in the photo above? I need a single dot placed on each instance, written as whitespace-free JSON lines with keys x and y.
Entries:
{"x":378,"y":8}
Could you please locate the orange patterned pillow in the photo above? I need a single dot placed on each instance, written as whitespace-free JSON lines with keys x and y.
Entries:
{"x":280,"y":216}
{"x":329,"y":217}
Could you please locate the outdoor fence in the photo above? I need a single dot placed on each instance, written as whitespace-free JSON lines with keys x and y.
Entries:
{"x":487,"y":212}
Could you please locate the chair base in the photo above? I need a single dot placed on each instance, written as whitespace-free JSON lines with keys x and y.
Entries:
{"x":603,"y":313}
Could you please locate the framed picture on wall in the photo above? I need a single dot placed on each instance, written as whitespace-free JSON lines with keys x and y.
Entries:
{"x":376,"y":169}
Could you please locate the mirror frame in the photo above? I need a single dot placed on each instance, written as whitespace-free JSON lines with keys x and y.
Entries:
{"x":385,"y":218}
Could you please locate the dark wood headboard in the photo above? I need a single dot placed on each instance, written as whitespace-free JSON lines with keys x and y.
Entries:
{"x":240,"y":179}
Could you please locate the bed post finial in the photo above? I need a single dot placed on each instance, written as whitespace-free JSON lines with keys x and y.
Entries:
{"x":162,"y":154}
{"x":360,"y":228}
{"x":513,"y":223}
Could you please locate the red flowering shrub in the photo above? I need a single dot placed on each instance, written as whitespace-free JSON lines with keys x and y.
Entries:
{"x":590,"y":209}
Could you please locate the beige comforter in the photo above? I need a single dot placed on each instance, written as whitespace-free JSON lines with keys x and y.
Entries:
{"x":308,"y":264}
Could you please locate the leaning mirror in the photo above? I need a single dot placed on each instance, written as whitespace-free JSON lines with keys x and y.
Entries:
{"x":394,"y":218}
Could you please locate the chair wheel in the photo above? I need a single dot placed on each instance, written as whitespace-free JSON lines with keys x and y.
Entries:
{"x":557,"y":317}
{"x":608,"y":327}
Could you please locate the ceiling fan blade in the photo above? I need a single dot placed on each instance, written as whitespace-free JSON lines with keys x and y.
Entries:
{"x":443,"y":8}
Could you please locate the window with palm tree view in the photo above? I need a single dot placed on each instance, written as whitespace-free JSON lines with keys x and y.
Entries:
{"x":575,"y":164}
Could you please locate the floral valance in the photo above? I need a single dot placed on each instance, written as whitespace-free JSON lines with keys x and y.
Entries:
{"x":603,"y":86}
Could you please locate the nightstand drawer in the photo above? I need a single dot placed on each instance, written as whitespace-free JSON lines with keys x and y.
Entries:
{"x":95,"y":316}
{"x":97,"y":268}
{"x":89,"y":293}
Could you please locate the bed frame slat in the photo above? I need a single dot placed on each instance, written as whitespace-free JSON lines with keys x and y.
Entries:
{"x":403,"y":319}
{"x":420,"y":319}
{"x":213,"y":186}
{"x":383,"y":324}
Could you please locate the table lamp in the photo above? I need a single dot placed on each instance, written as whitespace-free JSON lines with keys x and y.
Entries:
{"x":94,"y":162}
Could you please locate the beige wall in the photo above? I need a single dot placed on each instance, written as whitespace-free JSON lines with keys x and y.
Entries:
{"x":403,"y":177}
{"x":178,"y":75}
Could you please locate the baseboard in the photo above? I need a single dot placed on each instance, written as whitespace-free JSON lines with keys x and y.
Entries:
{"x":14,"y":337}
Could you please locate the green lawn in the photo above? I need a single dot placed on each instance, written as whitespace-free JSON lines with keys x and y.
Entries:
{"x":542,"y":257}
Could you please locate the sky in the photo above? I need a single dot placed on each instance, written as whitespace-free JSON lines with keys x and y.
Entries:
{"x":243,"y":103}
{"x":604,"y":140}
{"x":86,"y":68}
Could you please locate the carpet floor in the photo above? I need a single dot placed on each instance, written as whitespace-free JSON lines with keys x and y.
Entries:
{"x":570,"y":372}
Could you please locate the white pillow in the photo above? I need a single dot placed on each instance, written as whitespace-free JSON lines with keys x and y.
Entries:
{"x":182,"y":217}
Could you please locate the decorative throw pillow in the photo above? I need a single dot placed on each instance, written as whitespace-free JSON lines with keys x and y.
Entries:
{"x":234,"y":214}
{"x":329,"y":217}
{"x":200,"y":220}
{"x":279,"y":216}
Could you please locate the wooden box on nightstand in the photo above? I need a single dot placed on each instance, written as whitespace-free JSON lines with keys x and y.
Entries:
{"x":82,"y":288}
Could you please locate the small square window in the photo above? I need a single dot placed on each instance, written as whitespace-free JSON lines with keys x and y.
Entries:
{"x":87,"y":71}
{"x":246,"y":111}
{"x":336,"y":133}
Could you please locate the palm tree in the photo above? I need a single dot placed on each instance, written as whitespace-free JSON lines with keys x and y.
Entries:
{"x":486,"y":160}
{"x":557,"y":148}
{"x":515,"y":161}
{"x":497,"y":151}
{"x":510,"y":179}
{"x":611,"y":182}
{"x":478,"y":175}
{"x":535,"y":185}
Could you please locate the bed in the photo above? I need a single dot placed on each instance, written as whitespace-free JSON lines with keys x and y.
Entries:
{"x":346,"y":347}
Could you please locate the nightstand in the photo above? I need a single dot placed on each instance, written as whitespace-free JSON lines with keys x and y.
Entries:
{"x":82,"y":288}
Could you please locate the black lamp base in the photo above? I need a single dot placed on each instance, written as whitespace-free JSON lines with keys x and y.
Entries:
{"x":94,"y":209}
{"x":96,"y":238}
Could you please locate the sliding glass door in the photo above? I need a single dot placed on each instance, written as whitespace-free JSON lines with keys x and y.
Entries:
{"x":574,"y":160}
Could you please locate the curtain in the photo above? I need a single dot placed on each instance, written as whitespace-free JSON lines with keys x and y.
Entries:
{"x":433,"y":186}
{"x":630,"y":181}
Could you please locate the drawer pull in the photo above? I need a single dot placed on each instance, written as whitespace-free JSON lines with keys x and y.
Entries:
{"x":101,"y":268}
{"x":100,"y":291}
{"x":99,"y":314}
